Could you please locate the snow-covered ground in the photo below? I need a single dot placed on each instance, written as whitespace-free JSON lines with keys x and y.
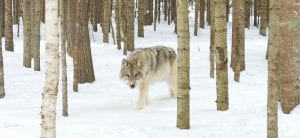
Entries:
{"x":106,"y":108}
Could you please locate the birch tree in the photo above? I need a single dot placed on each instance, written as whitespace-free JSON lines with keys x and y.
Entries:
{"x":2,"y":90}
{"x":27,"y":34}
{"x":63,"y":27}
{"x":221,"y":53}
{"x":49,"y":96}
{"x":238,"y":38}
{"x":273,"y":70}
{"x":183,"y":81}
{"x":36,"y":35}
{"x":9,"y":43}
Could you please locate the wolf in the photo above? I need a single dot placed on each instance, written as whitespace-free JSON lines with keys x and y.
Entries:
{"x":146,"y":66}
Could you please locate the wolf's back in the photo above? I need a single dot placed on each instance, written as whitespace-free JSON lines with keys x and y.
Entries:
{"x":153,"y":57}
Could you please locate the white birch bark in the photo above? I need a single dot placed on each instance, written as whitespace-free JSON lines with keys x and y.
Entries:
{"x":48,"y":114}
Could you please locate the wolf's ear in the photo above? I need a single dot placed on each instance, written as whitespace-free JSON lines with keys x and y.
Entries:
{"x":124,"y":62}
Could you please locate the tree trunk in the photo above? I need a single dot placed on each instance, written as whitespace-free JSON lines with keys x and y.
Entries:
{"x":2,"y":16}
{"x":106,"y":20}
{"x":155,"y":14}
{"x":63,"y":26}
{"x":2,"y":89}
{"x":49,"y":96}
{"x":42,"y":11}
{"x":15,"y":11}
{"x":36,"y":35}
{"x":183,"y":62}
{"x":202,"y":13}
{"x":96,"y":5}
{"x":118,"y":23}
{"x":208,"y":12}
{"x":129,"y":44}
{"x":290,"y":51}
{"x":27,"y":33}
{"x":165,"y":10}
{"x":123,"y":25}
{"x":85,"y":70}
{"x":273,"y":70}
{"x":255,"y":9}
{"x":9,"y":43}
{"x":221,"y":54}
{"x":212,"y":41}
{"x":32,"y":22}
{"x":71,"y":27}
{"x":227,"y":10}
{"x":263,"y":17}
{"x":149,"y":14}
{"x":247,"y":13}
{"x":196,"y":17}
{"x":173,"y":10}
{"x":141,"y":18}
{"x":238,"y":37}
{"x":169,"y":12}
{"x":159,"y":7}
{"x":77,"y":34}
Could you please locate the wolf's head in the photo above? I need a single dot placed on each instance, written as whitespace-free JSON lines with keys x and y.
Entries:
{"x":131,"y":72}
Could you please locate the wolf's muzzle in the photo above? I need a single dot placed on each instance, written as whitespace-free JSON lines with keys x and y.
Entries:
{"x":132,"y":86}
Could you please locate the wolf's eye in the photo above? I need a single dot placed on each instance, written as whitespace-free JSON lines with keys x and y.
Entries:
{"x":127,"y":75}
{"x":135,"y":75}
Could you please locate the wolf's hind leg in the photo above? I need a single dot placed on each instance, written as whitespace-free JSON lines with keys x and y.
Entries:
{"x":143,"y":96}
{"x":172,"y":82}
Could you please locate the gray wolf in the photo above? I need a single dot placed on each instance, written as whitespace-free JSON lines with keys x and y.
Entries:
{"x":146,"y":66}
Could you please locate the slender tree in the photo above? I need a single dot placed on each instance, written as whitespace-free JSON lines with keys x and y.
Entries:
{"x":221,"y":53}
{"x":15,"y":11}
{"x":63,"y":27}
{"x":264,"y":17}
{"x":9,"y":43}
{"x":255,"y":12}
{"x":71,"y":26}
{"x":238,"y":37}
{"x":49,"y":96}
{"x":155,"y":14}
{"x":165,"y":10}
{"x":106,"y":20}
{"x":129,"y":30}
{"x":2,"y":16}
{"x":173,"y":10}
{"x":95,"y":14}
{"x":208,"y":12}
{"x":148,"y":15}
{"x":141,"y":18}
{"x":169,"y":12}
{"x":118,"y":23}
{"x":27,"y":34}
{"x":36,"y":35}
{"x":2,"y":90}
{"x":196,"y":17}
{"x":273,"y":70}
{"x":202,"y":13}
{"x":159,"y":10}
{"x":247,"y":10}
{"x":183,"y":81}
{"x":42,"y":11}
{"x":212,"y":41}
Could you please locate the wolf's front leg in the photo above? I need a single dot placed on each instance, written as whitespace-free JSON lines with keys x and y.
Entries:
{"x":143,"y":96}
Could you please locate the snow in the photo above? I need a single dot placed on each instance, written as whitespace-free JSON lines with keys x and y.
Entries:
{"x":106,"y":108}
